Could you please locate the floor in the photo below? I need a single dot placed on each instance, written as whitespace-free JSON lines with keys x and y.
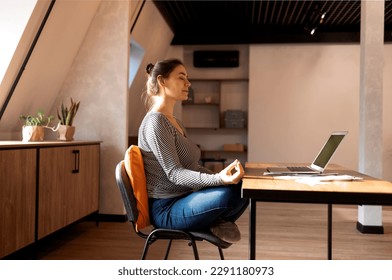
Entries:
{"x":284,"y":232}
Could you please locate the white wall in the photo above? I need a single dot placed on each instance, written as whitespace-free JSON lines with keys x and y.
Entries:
{"x":298,"y":94}
{"x":154,"y":36}
{"x":98,"y":79}
{"x":387,"y":113}
{"x":49,"y":63}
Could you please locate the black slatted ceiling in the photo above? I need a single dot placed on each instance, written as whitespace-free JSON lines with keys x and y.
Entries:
{"x":264,"y":21}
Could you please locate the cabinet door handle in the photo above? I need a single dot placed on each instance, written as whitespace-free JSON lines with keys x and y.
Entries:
{"x":76,"y":162}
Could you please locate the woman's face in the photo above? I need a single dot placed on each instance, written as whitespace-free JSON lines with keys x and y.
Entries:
{"x":176,"y":86}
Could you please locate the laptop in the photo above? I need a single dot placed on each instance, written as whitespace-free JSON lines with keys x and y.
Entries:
{"x":320,"y":162}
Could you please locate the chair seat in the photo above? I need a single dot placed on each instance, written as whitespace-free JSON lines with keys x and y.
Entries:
{"x":213,"y":239}
{"x":201,"y":235}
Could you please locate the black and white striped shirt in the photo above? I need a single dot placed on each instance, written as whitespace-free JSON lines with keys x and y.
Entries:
{"x":171,"y":160}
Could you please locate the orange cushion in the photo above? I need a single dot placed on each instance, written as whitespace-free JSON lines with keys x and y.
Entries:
{"x":134,"y":166}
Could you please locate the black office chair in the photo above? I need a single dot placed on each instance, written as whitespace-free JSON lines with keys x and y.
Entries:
{"x":155,"y":234}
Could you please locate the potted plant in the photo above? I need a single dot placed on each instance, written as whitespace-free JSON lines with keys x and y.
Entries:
{"x":33,"y":128}
{"x":66,"y":130}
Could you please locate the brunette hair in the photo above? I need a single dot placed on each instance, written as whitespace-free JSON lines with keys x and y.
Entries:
{"x":161,"y":68}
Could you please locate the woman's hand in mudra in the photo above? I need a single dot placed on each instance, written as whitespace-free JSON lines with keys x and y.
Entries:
{"x":233,"y":173}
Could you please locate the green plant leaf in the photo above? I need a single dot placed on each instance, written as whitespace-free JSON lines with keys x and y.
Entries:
{"x":67,"y":115}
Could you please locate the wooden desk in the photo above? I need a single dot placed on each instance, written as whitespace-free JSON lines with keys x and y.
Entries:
{"x":256,"y":187}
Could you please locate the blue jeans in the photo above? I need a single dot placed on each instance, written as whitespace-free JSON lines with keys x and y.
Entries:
{"x":200,"y":209}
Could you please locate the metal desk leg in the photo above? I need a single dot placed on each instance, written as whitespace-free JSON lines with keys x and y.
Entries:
{"x":329,"y":231}
{"x":252,"y":229}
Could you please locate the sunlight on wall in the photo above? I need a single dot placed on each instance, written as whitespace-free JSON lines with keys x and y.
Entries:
{"x":14,"y":16}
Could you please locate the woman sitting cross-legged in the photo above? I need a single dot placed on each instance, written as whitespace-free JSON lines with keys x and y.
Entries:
{"x":183,"y":194}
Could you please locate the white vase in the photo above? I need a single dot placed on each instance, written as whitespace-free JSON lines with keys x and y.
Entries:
{"x":33,"y":133}
{"x":66,"y":133}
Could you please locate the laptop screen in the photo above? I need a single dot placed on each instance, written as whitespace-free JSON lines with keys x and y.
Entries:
{"x":329,"y":149}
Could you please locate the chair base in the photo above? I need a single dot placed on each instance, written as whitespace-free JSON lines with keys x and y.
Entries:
{"x":192,"y":237}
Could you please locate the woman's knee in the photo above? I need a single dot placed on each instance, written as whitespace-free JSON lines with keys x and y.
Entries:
{"x":223,"y":197}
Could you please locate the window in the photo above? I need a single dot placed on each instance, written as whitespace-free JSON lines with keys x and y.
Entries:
{"x":135,"y":59}
{"x":14,"y":16}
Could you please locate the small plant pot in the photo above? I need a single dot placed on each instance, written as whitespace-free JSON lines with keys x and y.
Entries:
{"x":66,"y":133}
{"x":32,"y":133}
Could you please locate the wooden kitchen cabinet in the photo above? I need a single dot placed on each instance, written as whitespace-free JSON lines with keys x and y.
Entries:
{"x":45,"y":186}
{"x":68,"y":186}
{"x":17,"y":199}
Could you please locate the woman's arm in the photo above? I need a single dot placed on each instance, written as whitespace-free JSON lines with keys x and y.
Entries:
{"x":161,"y":138}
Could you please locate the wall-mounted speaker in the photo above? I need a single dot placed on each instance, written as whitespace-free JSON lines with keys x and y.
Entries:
{"x":216,"y":58}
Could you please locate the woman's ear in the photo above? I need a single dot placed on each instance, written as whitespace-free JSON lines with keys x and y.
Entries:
{"x":161,"y":80}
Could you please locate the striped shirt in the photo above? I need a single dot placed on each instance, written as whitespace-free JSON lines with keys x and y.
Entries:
{"x":171,"y":160}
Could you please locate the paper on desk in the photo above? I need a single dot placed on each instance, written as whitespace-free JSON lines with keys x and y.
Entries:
{"x":318,"y":179}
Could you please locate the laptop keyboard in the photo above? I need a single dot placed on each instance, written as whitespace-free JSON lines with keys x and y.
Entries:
{"x":299,"y":168}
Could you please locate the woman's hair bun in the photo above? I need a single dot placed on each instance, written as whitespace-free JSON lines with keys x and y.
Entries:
{"x":149,"y":68}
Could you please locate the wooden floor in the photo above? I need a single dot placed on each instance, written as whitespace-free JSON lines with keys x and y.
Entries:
{"x":284,"y":231}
